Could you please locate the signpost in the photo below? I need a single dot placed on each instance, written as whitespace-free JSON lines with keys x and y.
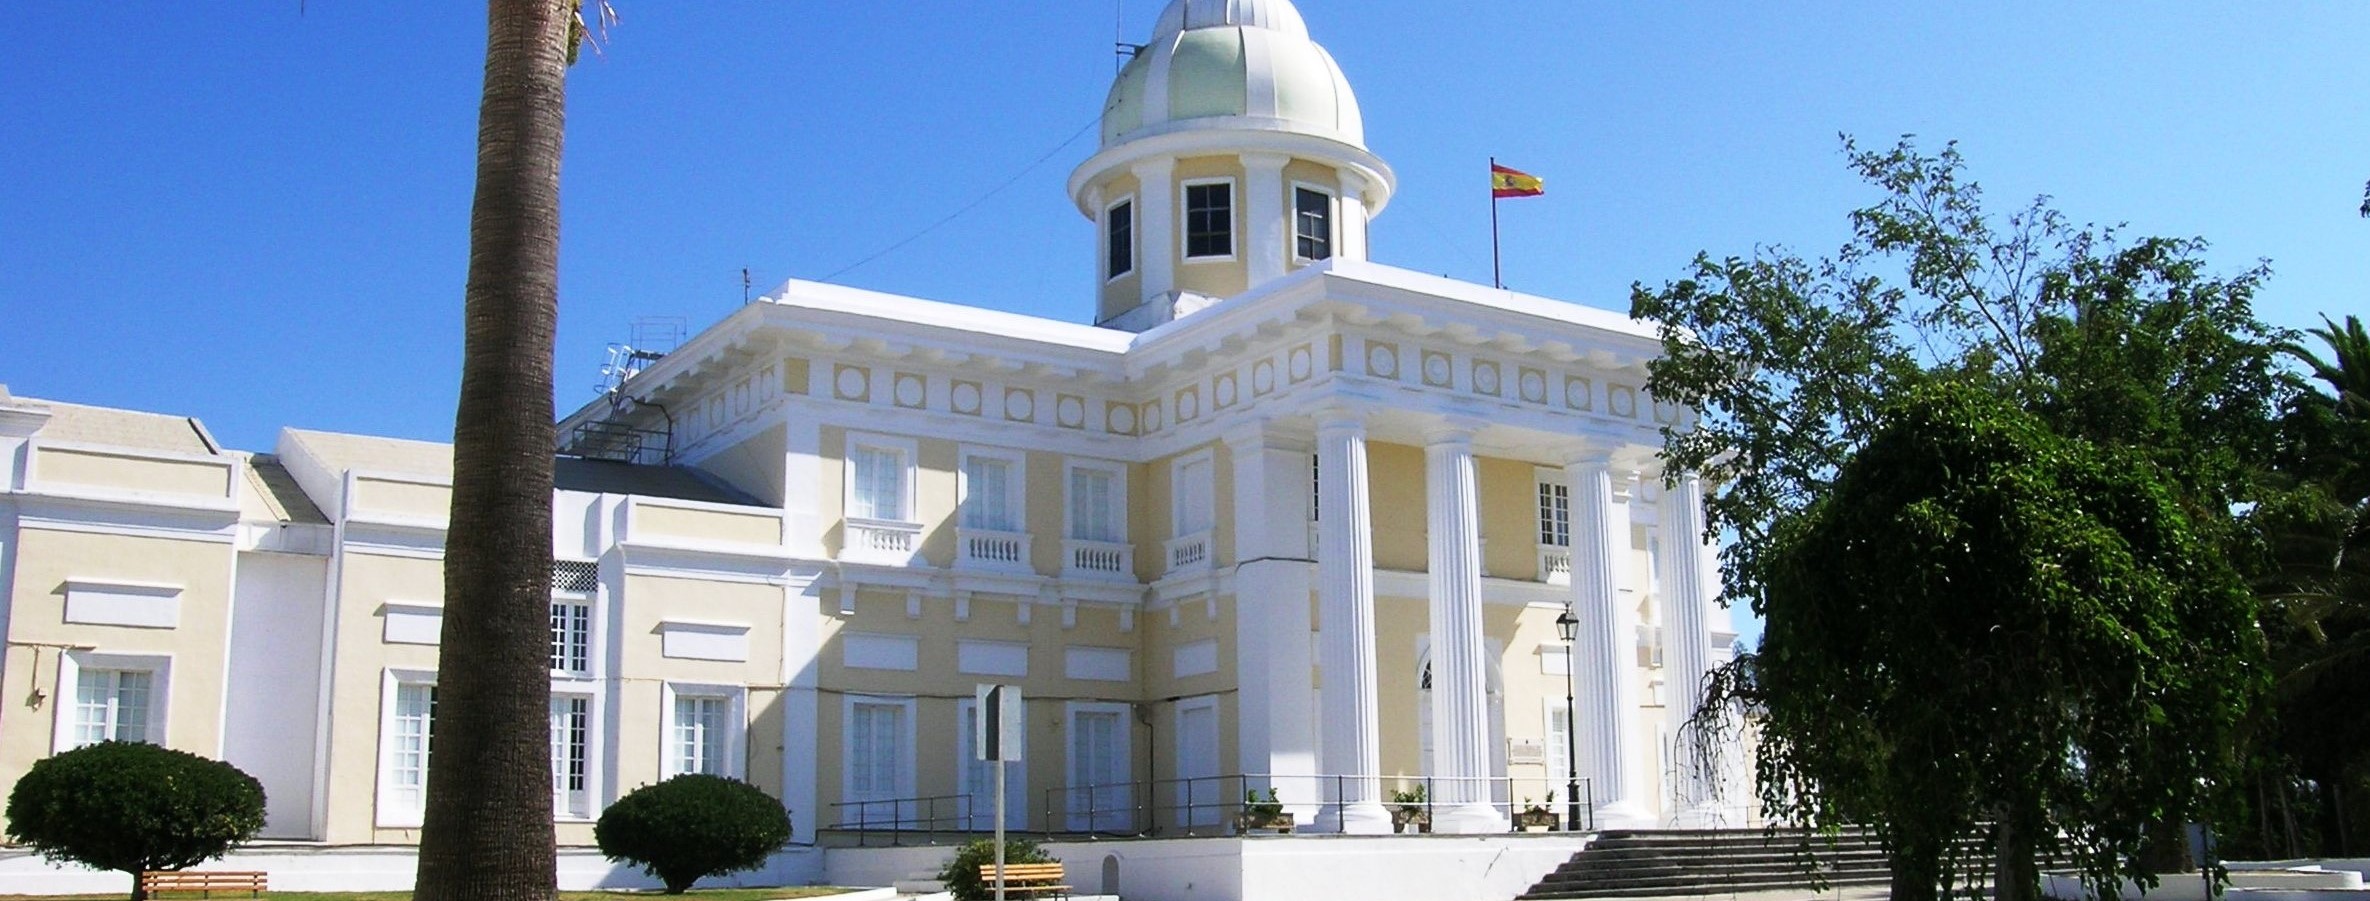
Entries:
{"x":999,"y":731}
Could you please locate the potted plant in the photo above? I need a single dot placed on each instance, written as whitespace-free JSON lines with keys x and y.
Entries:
{"x":1409,"y":809}
{"x":1536,"y":817}
{"x":1262,"y":813}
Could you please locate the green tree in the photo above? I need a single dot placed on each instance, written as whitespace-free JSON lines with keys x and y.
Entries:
{"x":693,"y":826}
{"x":486,"y":832}
{"x":1990,"y":624}
{"x":1790,"y":364}
{"x":133,"y":807}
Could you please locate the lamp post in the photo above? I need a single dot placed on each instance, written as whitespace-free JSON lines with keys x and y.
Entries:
{"x":1568,"y":626}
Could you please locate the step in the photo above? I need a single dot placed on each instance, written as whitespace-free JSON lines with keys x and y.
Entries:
{"x":1697,"y":887}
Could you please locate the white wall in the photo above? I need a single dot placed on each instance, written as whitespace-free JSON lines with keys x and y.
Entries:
{"x":379,"y":868}
{"x":274,"y":683}
{"x":1280,"y":868}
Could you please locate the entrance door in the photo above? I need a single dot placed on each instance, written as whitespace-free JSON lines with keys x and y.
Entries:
{"x":1100,"y":796}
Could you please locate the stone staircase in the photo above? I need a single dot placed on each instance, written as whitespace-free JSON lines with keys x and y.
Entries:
{"x":1646,"y":863}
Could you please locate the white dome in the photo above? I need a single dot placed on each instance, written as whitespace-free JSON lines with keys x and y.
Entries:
{"x":1232,"y":64}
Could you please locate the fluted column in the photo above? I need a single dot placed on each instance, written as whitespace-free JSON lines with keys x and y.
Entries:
{"x":1460,"y":694}
{"x":1352,"y":731}
{"x":1685,"y":560}
{"x":1604,"y":656}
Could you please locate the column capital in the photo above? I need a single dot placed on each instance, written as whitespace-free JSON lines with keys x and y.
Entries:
{"x":1587,"y":457}
{"x":1352,"y":183}
{"x":1256,"y":436}
{"x":1153,"y":168}
{"x":1450,"y":435}
{"x":1340,"y":417}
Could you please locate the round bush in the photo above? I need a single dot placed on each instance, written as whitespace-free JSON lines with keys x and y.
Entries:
{"x":961,"y":875}
{"x":131,"y":806}
{"x":693,"y":826}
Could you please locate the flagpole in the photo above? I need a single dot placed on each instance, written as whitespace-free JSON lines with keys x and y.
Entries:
{"x":1497,"y":275}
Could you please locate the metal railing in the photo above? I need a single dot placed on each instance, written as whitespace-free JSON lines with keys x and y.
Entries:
{"x":899,"y":820}
{"x":1196,"y":806}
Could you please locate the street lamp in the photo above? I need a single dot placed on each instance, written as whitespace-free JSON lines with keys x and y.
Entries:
{"x":1568,"y":626}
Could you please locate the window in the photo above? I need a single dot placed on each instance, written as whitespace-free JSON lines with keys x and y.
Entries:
{"x":1100,"y":796}
{"x":1195,"y":495}
{"x":1559,"y":742}
{"x":407,"y":729}
{"x":879,"y":750}
{"x":877,"y":483}
{"x":701,"y":734}
{"x":109,"y":697}
{"x":1119,"y":251}
{"x":991,"y":492}
{"x":1096,"y":499}
{"x":1312,"y":224}
{"x":571,"y":638}
{"x":571,"y":729}
{"x":1555,"y":515}
{"x":112,"y":705}
{"x":1316,"y":490}
{"x":1209,"y":220}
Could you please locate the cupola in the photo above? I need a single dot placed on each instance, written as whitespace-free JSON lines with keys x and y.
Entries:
{"x":1232,"y":153}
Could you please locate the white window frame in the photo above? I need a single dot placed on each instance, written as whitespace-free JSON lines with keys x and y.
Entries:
{"x":736,"y":726}
{"x":1234,"y":206}
{"x":1544,"y":481}
{"x":1118,"y":806}
{"x":910,"y":452}
{"x":1558,"y":743}
{"x":903,"y":775}
{"x":159,"y":668}
{"x":1178,"y":526}
{"x":390,"y":813}
{"x":1118,"y":508}
{"x":1016,"y":778}
{"x":577,"y":637}
{"x":1332,"y":221}
{"x":584,"y":807}
{"x":1016,"y":491}
{"x":1135,"y":231}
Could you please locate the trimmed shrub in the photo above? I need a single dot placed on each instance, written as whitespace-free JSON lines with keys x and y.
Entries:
{"x":693,"y":826}
{"x":132,"y":806}
{"x":961,"y":875}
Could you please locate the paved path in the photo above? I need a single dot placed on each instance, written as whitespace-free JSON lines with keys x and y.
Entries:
{"x":1847,"y":893}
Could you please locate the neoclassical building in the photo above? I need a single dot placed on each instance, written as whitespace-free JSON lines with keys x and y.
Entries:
{"x":1273,"y":516}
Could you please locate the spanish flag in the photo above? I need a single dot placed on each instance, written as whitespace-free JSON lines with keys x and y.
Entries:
{"x":1504,"y":182}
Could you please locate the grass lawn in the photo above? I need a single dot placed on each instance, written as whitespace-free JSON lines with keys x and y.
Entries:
{"x":716,"y":894}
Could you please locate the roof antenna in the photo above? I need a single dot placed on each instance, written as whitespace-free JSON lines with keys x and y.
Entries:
{"x":744,"y":286}
{"x":1126,"y":51}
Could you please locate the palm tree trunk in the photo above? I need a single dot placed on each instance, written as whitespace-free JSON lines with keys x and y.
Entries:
{"x":487,"y":834}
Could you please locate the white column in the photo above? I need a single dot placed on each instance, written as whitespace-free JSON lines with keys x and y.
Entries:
{"x":1604,"y":648}
{"x":1352,"y":728}
{"x":1350,"y":234}
{"x":1460,"y":694}
{"x":1263,"y":206}
{"x":1687,"y":604}
{"x":802,"y":647}
{"x":1156,"y":226}
{"x":1276,"y":705}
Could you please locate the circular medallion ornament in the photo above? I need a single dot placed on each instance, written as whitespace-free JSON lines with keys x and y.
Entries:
{"x":851,"y":383}
{"x":1188,"y":406}
{"x":1263,"y":377}
{"x":1382,"y":361}
{"x":909,"y":391}
{"x":1152,"y":417}
{"x":1436,"y":369}
{"x":1071,"y":411}
{"x":966,"y":398}
{"x":1122,"y":419}
{"x":1019,"y":405}
{"x":1576,"y":394}
{"x":1485,"y":378}
{"x":1225,"y":390}
{"x":1301,"y":363}
{"x":1534,"y":387}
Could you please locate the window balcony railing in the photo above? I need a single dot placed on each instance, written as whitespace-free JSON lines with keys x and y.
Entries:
{"x":1555,"y":564}
{"x":1098,"y":559}
{"x":1188,"y":553}
{"x":993,"y":550}
{"x":882,"y":542}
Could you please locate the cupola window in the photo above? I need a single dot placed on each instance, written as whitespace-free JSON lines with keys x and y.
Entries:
{"x":1312,"y":224}
{"x":1119,"y":251}
{"x":1209,"y":220}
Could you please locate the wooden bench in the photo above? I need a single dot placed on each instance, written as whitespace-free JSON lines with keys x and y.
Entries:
{"x":1027,"y":880}
{"x":207,"y":881}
